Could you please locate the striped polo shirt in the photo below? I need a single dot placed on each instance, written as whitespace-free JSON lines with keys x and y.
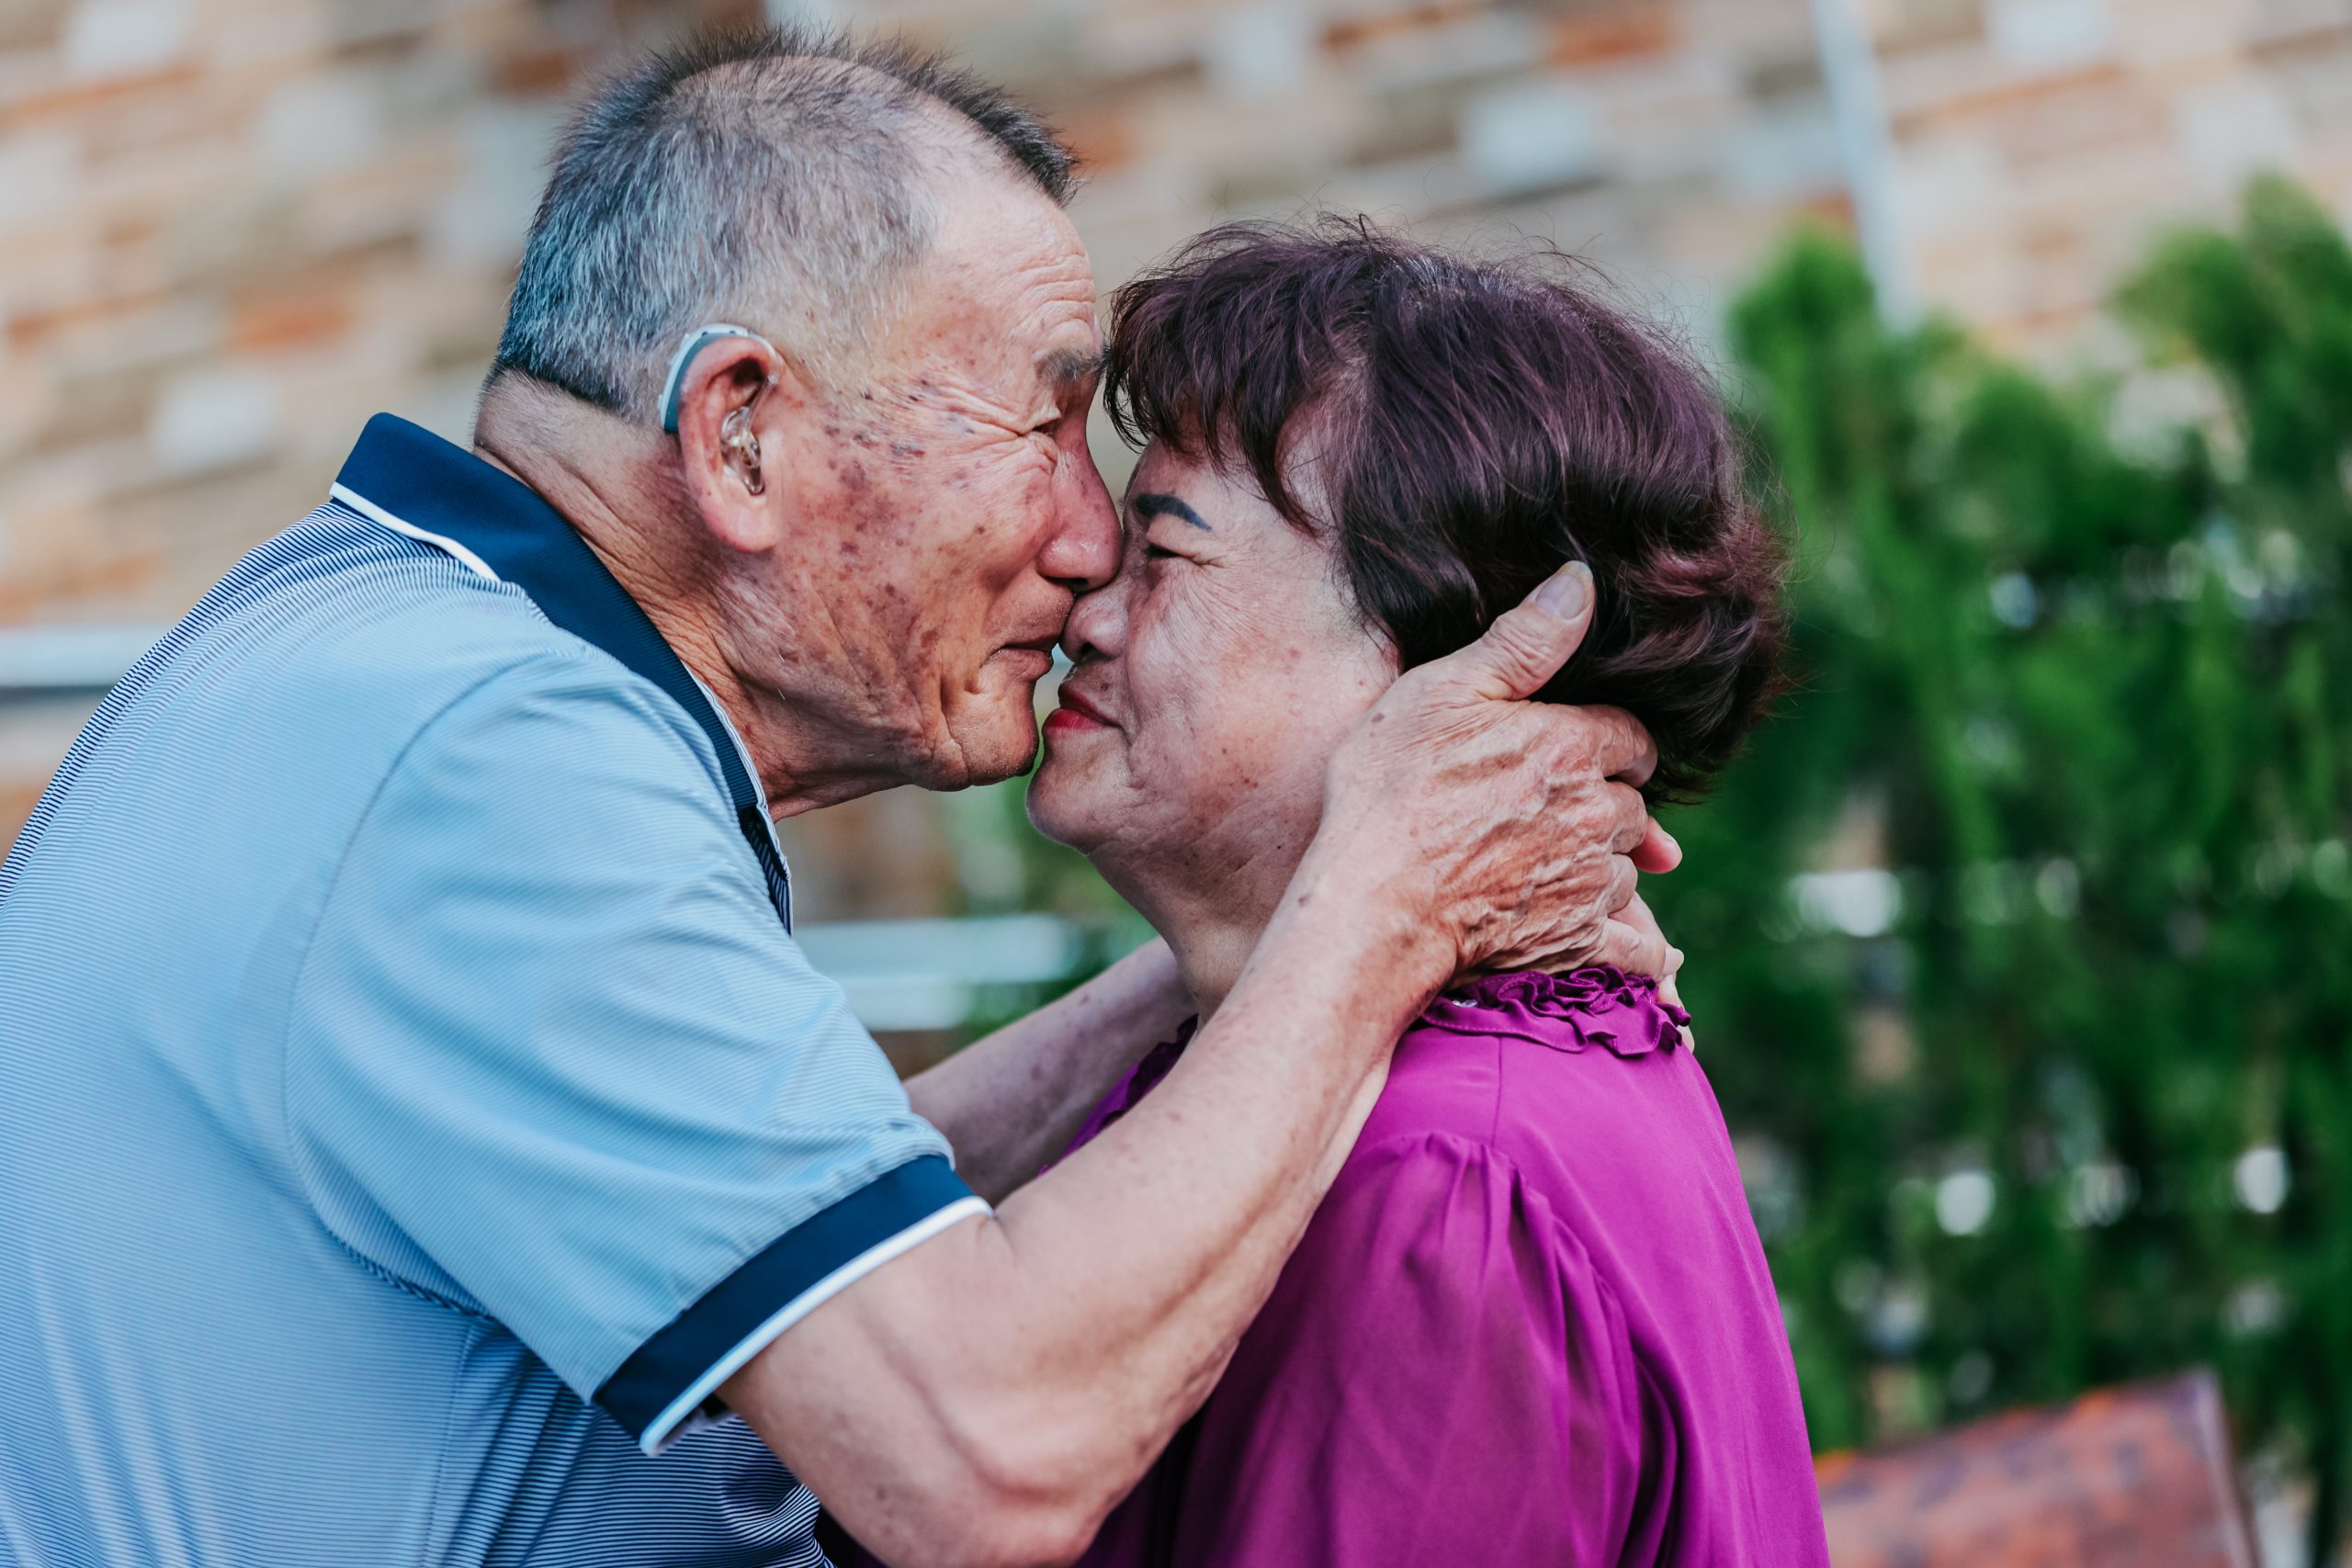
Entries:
{"x":415,"y":1104}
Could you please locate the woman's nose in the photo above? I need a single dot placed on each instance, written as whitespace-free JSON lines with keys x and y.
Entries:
{"x":1097,"y":624}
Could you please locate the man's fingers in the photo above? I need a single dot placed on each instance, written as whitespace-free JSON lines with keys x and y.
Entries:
{"x":1624,"y":888}
{"x":1670,"y":992}
{"x":1636,"y":914}
{"x":1632,"y":949}
{"x":1632,"y":828}
{"x":1621,"y":749}
{"x":1527,"y":644}
{"x":1657,"y":850}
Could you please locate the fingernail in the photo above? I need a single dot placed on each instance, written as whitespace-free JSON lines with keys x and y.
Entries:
{"x":1567,"y":591}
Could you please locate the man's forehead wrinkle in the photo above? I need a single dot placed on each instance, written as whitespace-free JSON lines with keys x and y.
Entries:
{"x":1040,"y":279}
{"x":992,"y":225}
{"x":1001,"y":319}
{"x":1068,"y":335}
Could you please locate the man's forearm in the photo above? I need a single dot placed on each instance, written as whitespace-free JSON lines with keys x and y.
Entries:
{"x":1011,"y":1102}
{"x":1051,"y":1350}
{"x":1173,"y":1225}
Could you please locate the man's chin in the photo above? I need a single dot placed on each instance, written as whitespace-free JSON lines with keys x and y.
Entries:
{"x":988,"y":747}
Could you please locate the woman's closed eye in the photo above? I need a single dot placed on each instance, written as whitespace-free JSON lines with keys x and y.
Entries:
{"x":1156,"y":517}
{"x":1157,"y":541}
{"x":1160,"y":559}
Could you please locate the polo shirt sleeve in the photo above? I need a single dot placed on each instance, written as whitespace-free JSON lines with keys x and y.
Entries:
{"x":553,"y":1059}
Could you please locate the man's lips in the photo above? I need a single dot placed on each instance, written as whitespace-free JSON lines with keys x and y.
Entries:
{"x":1043,"y":648}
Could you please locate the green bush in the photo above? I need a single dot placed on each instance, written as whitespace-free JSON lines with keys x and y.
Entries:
{"x":2073,"y":666}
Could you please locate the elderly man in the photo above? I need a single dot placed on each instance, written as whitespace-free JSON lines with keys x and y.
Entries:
{"x":419,"y":1115}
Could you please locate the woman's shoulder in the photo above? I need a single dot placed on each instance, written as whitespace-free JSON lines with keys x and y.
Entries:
{"x":1600,"y":1008}
{"x":1577,"y":1080}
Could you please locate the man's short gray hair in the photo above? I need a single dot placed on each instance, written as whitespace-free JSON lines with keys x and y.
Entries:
{"x":779,"y":179}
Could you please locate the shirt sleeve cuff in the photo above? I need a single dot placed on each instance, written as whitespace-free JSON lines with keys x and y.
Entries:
{"x":662,"y":1390}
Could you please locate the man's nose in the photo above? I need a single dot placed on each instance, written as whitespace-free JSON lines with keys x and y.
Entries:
{"x":1082,"y":553}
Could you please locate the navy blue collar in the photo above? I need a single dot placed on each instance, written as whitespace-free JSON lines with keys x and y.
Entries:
{"x":411,"y":480}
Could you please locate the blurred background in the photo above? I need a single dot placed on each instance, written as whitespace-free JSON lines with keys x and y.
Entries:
{"x":2017,"y":943}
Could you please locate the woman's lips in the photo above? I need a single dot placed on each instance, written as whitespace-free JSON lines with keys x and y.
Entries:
{"x":1075,"y":714}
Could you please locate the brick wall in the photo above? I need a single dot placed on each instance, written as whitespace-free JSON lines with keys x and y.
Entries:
{"x":1671,"y":139}
{"x":2041,"y":143}
{"x":230,"y":230}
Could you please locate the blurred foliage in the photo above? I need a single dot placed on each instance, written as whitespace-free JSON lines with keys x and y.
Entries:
{"x":2018,"y":939}
{"x":1004,"y":867}
{"x":2043,"y":1075}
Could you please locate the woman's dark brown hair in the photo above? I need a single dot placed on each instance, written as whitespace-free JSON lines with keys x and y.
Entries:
{"x":1468,"y":425}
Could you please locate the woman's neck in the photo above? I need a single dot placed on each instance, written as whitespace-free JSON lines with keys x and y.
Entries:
{"x":1211,"y":921}
{"x":1210,"y":960}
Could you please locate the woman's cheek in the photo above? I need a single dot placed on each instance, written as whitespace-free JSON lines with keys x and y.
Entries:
{"x":1171,"y":682}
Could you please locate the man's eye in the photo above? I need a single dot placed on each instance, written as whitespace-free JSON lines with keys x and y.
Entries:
{"x":1153,"y":552}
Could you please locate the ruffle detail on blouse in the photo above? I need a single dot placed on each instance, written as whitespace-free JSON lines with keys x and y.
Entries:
{"x":1601,"y":1006}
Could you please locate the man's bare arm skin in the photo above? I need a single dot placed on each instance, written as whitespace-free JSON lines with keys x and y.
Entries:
{"x":988,"y":1397}
{"x":1013,"y":1100}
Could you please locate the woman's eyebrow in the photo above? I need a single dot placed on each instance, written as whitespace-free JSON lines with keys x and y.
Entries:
{"x":1152,"y":503}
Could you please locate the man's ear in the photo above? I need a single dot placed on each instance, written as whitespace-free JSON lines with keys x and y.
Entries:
{"x":740,"y":406}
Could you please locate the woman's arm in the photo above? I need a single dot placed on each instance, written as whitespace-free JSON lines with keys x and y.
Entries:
{"x":1012,"y":1102}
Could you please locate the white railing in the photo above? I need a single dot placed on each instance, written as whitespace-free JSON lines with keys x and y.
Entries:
{"x":67,"y":660}
{"x":929,"y":974}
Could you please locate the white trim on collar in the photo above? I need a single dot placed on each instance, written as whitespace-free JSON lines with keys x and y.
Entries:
{"x":376,"y":513}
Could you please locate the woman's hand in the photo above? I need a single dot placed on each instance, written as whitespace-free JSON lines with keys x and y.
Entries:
{"x":1514,"y":830}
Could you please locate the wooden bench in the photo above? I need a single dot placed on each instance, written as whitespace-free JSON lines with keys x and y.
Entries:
{"x":2136,"y":1477}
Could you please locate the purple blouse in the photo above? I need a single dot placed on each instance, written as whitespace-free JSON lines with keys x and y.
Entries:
{"x":1530,"y":1325}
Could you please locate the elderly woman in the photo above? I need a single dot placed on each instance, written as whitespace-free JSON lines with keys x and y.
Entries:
{"x":1531,"y":1323}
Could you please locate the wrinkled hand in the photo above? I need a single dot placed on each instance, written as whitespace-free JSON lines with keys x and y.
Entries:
{"x":1637,"y":915}
{"x":1515,"y":829}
